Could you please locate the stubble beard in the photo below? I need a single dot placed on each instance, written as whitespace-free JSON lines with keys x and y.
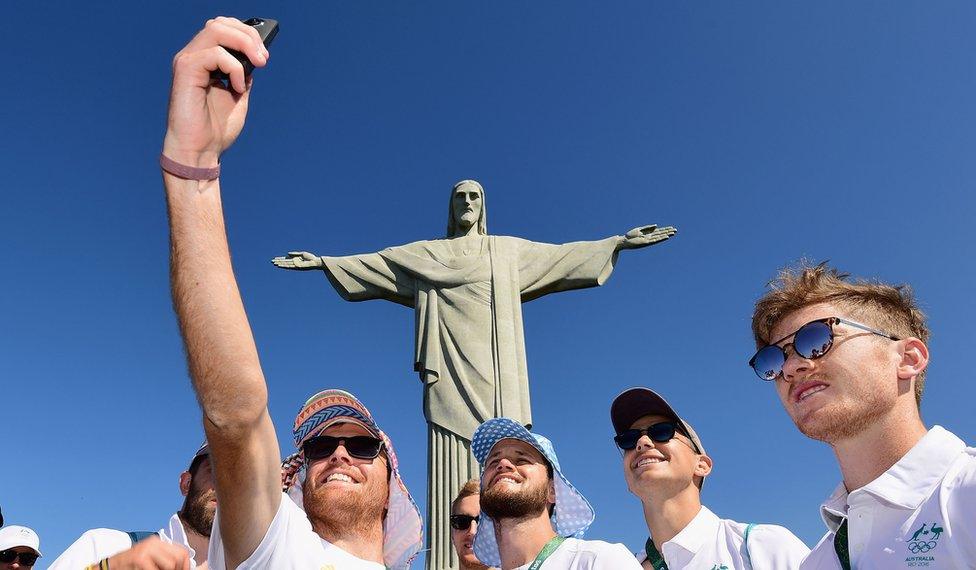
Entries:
{"x":845,"y":419}
{"x":198,"y":510}
{"x":502,"y":504}
{"x":472,"y":565}
{"x":337,"y":514}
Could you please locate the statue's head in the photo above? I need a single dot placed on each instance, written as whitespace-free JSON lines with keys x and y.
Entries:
{"x":466,"y":209}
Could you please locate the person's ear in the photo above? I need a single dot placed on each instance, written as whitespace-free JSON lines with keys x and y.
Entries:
{"x":704,"y":466}
{"x":185,"y":480}
{"x":914,"y":358}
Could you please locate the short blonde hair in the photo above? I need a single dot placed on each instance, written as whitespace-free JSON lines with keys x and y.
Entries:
{"x":471,"y":487}
{"x":891,"y":308}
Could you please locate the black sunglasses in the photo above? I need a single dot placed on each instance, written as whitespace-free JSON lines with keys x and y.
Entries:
{"x":659,"y":432}
{"x":11,"y":556}
{"x":811,"y":341}
{"x":358,"y":446}
{"x":462,"y":522}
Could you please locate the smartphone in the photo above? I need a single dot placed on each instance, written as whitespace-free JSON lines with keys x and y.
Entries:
{"x":267,"y":28}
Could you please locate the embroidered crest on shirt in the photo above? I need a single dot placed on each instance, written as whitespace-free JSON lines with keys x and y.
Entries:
{"x":921,"y":541}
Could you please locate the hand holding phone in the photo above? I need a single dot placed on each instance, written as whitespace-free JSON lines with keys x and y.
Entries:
{"x":267,"y":28}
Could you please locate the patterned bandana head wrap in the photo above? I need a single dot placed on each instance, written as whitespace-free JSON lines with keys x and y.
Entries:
{"x":573,"y":513}
{"x":402,"y":527}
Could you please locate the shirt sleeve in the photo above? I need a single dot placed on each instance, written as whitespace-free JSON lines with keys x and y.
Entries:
{"x":773,"y":546}
{"x":91,"y":547}
{"x":288,"y":527}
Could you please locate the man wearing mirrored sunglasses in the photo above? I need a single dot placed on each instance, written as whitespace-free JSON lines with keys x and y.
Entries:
{"x":848,"y":359}
{"x":344,"y":504}
{"x":20,"y":547}
{"x":665,"y":465}
{"x":465,"y":510}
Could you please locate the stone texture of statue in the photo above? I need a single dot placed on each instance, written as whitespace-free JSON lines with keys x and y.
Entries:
{"x":466,"y":291}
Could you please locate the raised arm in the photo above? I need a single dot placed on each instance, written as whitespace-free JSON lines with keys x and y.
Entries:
{"x":204,"y":119}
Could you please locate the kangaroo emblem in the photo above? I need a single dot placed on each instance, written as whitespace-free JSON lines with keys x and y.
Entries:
{"x":919,"y":532}
{"x":936,"y":531}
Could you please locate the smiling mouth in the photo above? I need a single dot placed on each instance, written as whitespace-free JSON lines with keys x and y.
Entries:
{"x":808,"y":391}
{"x":503,"y":479}
{"x":338,"y":477}
{"x":649,"y":461}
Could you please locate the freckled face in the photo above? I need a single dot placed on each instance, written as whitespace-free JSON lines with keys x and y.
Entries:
{"x":836,"y":396}
{"x":341,"y":481}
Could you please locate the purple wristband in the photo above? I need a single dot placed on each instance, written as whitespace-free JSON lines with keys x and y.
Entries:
{"x":187,"y":172}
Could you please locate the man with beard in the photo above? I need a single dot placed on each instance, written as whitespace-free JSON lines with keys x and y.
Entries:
{"x":848,"y":361}
{"x":665,"y":465}
{"x":186,"y":536}
{"x":357,"y":512}
{"x":530,"y":512}
{"x":465,"y":510}
{"x":345,"y":505}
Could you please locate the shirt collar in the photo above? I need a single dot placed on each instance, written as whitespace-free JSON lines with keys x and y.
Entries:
{"x":701,"y":528}
{"x":906,"y":483}
{"x":175,"y":532}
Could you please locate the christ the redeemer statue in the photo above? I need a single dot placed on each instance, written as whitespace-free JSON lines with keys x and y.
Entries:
{"x":467,"y":292}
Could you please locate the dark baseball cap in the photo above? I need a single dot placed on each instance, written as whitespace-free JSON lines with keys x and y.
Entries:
{"x":635,"y":403}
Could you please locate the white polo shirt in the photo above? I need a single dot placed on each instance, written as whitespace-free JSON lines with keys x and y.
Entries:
{"x":576,"y":554}
{"x":920,"y":513}
{"x":289,"y":544}
{"x":710,"y":542}
{"x":100,"y":543}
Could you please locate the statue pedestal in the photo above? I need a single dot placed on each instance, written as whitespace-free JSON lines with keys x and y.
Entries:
{"x":450,"y":464}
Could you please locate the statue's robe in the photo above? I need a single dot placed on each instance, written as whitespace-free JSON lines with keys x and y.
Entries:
{"x":469,"y":348}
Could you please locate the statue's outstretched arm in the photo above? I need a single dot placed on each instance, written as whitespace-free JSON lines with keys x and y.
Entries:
{"x":299,"y":260}
{"x":644,"y":236}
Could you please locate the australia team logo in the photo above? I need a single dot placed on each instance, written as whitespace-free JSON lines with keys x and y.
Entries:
{"x":925,"y":538}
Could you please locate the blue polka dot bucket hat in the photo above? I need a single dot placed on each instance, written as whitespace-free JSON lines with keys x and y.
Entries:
{"x":572,"y":515}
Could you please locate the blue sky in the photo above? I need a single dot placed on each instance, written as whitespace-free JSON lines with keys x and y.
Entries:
{"x":765,"y":131}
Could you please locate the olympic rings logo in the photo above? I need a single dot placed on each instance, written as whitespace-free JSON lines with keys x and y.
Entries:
{"x":921,"y":546}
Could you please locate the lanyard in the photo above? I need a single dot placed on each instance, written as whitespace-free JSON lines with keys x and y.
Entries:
{"x":657,"y":561}
{"x":548,"y":549}
{"x":841,"y":546}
